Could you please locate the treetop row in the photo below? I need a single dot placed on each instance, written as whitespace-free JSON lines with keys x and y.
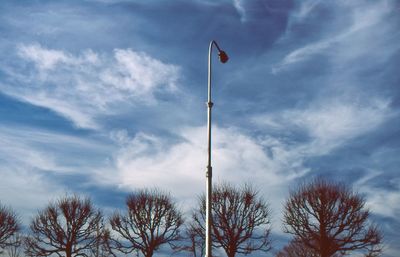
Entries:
{"x":325,"y":219}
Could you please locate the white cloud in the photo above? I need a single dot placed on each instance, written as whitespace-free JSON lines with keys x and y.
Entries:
{"x":273,"y":163}
{"x":352,"y":38}
{"x":85,"y":86}
{"x":29,"y":158}
{"x":305,"y":8}
{"x":238,"y":4}
{"x":33,"y":149}
{"x":249,"y":9}
{"x":300,"y":12}
{"x":141,"y":74}
{"x":27,"y":191}
{"x":18,"y":151}
{"x":329,"y":123}
{"x":147,"y":161}
{"x":45,"y":59}
{"x":381,"y":201}
{"x":302,"y":54}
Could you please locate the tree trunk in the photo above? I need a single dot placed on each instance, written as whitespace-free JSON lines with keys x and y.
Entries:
{"x":231,"y":252}
{"x":149,"y":253}
{"x":68,"y":251}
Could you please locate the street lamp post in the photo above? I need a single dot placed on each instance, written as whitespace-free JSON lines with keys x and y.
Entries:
{"x":223,"y":57}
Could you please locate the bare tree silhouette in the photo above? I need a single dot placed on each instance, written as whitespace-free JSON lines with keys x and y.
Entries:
{"x":152,"y":219}
{"x":9,"y":225}
{"x":329,"y":218}
{"x":240,"y":220}
{"x":192,"y":241}
{"x":69,"y":227}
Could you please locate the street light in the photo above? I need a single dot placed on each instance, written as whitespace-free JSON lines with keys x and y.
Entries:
{"x":223,"y":57}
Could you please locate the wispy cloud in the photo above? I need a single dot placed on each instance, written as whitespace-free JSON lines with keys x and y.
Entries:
{"x":332,"y":123}
{"x":238,"y":4}
{"x":41,"y":150}
{"x":27,"y":195}
{"x":18,"y":151}
{"x":147,"y":160}
{"x":274,"y":162}
{"x":85,"y":86}
{"x":301,"y":54}
{"x":249,"y":10}
{"x":31,"y":160}
{"x":361,"y":22}
{"x":45,"y":59}
{"x":383,"y":202}
{"x":329,"y":123}
{"x":305,"y":8}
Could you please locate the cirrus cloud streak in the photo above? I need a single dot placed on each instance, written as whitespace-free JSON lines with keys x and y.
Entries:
{"x":85,"y":86}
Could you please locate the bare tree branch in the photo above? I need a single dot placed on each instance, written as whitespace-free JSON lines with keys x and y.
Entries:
{"x":192,"y":241}
{"x":297,"y":249}
{"x":14,"y":249}
{"x":9,"y":225}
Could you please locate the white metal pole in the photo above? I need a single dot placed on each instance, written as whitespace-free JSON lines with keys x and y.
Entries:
{"x":223,"y":57}
{"x":209,"y":168}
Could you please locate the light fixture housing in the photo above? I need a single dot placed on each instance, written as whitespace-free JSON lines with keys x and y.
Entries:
{"x":223,"y":57}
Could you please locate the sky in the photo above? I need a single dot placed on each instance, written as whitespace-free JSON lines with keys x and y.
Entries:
{"x":102,"y":97}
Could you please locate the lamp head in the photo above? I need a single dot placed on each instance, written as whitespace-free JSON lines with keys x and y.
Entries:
{"x":223,"y":57}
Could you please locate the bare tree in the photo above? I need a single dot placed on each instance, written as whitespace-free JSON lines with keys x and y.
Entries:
{"x":330,"y":219}
{"x":9,"y":225}
{"x":192,"y":241}
{"x":69,"y":227}
{"x":152,"y":219}
{"x":240,"y":220}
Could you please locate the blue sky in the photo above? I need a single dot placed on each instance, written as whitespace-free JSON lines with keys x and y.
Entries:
{"x":101,"y":97}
